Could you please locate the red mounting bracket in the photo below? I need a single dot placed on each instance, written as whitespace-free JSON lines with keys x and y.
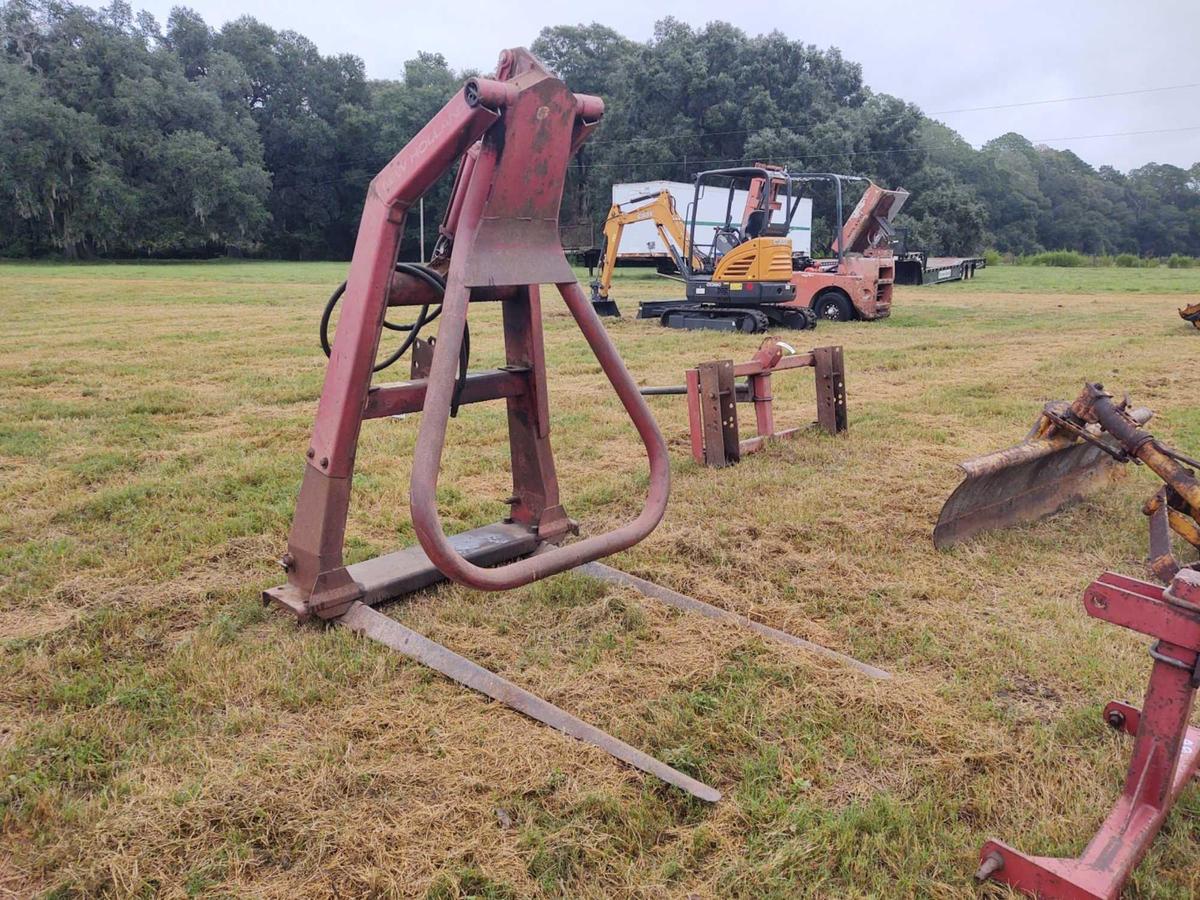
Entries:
{"x":713,"y":395}
{"x":1165,"y":756}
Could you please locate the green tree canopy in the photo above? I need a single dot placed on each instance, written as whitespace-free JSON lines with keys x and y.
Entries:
{"x":118,"y":137}
{"x":110,"y":148}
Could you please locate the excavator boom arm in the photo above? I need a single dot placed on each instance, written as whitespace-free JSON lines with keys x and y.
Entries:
{"x":661,"y":210}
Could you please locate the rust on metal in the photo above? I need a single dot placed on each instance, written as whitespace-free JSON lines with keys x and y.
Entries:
{"x":1020,"y":484}
{"x":1072,"y":450}
{"x":1049,"y":470}
{"x":713,"y":394}
{"x":1162,"y":560}
{"x":404,"y":571}
{"x":511,"y":137}
{"x":718,"y":403}
{"x":691,"y":604}
{"x":371,"y":623}
{"x":1166,"y":750}
{"x":1179,"y":497}
{"x":830,"y":367}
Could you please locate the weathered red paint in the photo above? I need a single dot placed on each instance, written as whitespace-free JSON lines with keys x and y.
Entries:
{"x":866,"y":271}
{"x":712,"y":396}
{"x":1165,"y":756}
{"x":513,"y":136}
{"x":499,"y":241}
{"x":866,"y":281}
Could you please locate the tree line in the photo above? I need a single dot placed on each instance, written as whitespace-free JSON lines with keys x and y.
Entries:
{"x":123,"y":137}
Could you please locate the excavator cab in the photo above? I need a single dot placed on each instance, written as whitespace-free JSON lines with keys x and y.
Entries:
{"x":755,"y":224}
{"x":759,"y":234}
{"x":725,"y":238}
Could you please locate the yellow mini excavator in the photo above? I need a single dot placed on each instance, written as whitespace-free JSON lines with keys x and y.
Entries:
{"x":742,"y":281}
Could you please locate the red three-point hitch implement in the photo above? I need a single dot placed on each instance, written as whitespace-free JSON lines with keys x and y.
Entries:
{"x":713,"y":394}
{"x":1164,"y":757}
{"x":512,"y":137}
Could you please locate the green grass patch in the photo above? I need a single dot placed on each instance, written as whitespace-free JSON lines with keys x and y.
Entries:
{"x":161,"y":731}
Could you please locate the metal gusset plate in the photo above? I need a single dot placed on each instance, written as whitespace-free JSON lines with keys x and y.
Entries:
{"x":691,"y":604}
{"x":1020,"y":485}
{"x":375,"y":625}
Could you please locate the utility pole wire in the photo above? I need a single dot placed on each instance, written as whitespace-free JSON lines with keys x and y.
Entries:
{"x":883,"y":152}
{"x":934,"y":112}
{"x":749,"y":131}
{"x":1153,"y":90}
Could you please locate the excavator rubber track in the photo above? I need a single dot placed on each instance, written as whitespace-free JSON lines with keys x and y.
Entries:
{"x":746,"y":320}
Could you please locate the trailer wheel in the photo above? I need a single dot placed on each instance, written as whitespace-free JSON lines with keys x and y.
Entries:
{"x":832,"y":306}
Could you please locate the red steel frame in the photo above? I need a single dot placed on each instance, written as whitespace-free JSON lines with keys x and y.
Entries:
{"x":712,"y":395}
{"x":499,"y":241}
{"x":514,"y":135}
{"x":1164,"y":756}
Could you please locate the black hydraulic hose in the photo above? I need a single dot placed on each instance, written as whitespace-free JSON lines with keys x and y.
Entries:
{"x":424,"y":317}
{"x":430,"y":277}
{"x":464,"y":359}
{"x":323,"y":328}
{"x":434,"y":280}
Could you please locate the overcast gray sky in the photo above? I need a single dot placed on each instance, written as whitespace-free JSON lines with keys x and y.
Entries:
{"x":939,"y":54}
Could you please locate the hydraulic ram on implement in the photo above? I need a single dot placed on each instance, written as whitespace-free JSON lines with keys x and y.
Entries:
{"x":1072,"y":450}
{"x":513,"y":136}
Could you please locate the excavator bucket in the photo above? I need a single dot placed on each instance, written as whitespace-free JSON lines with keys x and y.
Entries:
{"x":605,"y":307}
{"x":1191,"y":314}
{"x":1053,"y":467}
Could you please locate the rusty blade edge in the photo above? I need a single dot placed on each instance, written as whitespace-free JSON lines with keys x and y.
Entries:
{"x":691,"y":604}
{"x":375,"y":625}
{"x":1034,"y":489}
{"x":1032,"y":449}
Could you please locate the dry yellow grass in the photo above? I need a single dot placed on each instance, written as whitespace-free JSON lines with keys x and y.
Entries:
{"x":162,"y":734}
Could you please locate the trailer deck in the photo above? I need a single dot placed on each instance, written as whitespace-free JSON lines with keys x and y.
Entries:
{"x":915,"y":267}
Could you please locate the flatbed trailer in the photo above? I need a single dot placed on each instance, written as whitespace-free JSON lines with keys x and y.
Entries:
{"x":914,"y":267}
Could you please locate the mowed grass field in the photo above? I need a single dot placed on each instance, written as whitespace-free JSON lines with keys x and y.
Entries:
{"x":162,"y":734}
